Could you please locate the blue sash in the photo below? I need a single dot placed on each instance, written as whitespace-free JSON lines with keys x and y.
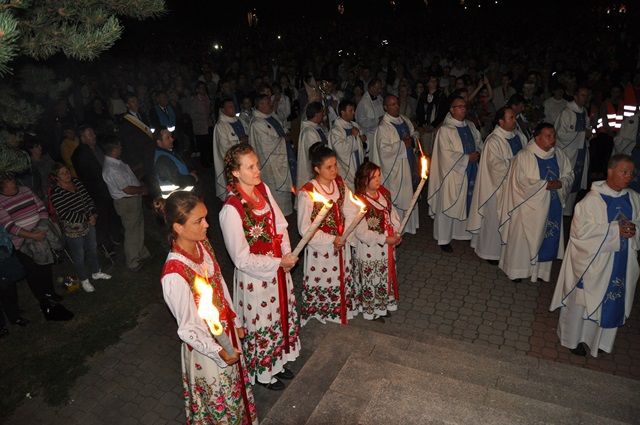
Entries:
{"x":276,"y":125}
{"x":612,"y":313}
{"x":238,"y":128}
{"x":403,"y":131}
{"x":549,"y":170}
{"x":469,"y":146}
{"x":515,"y":144}
{"x":356,"y":153}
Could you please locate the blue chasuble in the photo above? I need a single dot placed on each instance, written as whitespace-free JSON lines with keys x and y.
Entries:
{"x":515,"y":144}
{"x":403,"y":131}
{"x":469,"y":146}
{"x":291,"y":155}
{"x":549,"y":170}
{"x":612,"y":313}
{"x":238,"y":128}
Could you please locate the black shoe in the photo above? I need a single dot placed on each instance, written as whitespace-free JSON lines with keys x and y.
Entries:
{"x":21,"y":321}
{"x":493,"y":262}
{"x":53,"y":297}
{"x":518,"y":280}
{"x":580,"y":350}
{"x":55,"y":312}
{"x":4,"y":332}
{"x":379,"y":319}
{"x":276,"y":386}
{"x":285,"y":374}
{"x":446,"y":248}
{"x":388,"y":315}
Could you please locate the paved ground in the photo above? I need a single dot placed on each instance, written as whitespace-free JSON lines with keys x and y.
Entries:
{"x":136,"y":381}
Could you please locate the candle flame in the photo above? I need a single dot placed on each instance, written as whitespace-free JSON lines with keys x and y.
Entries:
{"x":206,"y":310}
{"x":316,"y":197}
{"x":424,"y":165}
{"x":358,"y":202}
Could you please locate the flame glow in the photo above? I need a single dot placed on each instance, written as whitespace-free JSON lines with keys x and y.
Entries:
{"x":358,"y":202}
{"x":316,"y":197}
{"x":206,"y":310}
{"x":424,"y":165}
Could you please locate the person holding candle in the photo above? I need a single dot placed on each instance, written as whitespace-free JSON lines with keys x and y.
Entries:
{"x":216,"y":385}
{"x":255,"y":234}
{"x":376,"y":237}
{"x":328,"y":292}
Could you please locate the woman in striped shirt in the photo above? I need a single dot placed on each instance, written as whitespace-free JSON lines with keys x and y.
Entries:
{"x":77,"y":216}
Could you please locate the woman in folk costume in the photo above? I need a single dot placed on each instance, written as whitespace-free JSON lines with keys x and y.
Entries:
{"x":328,"y":292}
{"x":376,"y":237}
{"x":216,"y":384}
{"x":255,"y":234}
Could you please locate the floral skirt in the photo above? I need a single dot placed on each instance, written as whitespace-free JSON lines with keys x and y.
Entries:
{"x":213,"y":395}
{"x":371,"y":276}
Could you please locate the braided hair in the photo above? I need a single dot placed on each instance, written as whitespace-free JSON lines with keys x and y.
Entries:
{"x":176,"y":209}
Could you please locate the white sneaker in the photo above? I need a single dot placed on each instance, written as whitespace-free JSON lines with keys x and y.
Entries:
{"x":87,"y":286}
{"x":101,"y":275}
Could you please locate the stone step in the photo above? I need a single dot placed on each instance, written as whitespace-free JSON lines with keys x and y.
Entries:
{"x":582,"y":389}
{"x":369,"y":390}
{"x":503,"y":376}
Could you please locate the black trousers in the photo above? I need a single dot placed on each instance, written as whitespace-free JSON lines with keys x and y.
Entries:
{"x":8,"y":303}
{"x":39,"y":277}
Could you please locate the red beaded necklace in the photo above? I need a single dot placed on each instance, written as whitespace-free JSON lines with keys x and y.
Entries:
{"x":255,"y":204}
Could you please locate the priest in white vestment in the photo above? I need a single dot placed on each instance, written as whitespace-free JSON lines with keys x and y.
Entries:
{"x":370,"y":109}
{"x":228,"y":131}
{"x":452,"y":176}
{"x":572,"y":138}
{"x":627,"y":141}
{"x":499,"y":149}
{"x":597,"y":281}
{"x":537,"y":186}
{"x":346,"y":140}
{"x":268,"y":138}
{"x":393,"y":150}
{"x":311,"y":132}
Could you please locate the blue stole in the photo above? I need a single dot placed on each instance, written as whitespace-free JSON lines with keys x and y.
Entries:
{"x":323,"y":138}
{"x":612,"y":313}
{"x":635,"y":155}
{"x":180,"y":165}
{"x":581,"y":125}
{"x":356,"y":153}
{"x":515,"y":144}
{"x":291,"y":155}
{"x":549,"y":170}
{"x":469,"y":146}
{"x":403,"y":131}
{"x":238,"y":128}
{"x":168,"y":118}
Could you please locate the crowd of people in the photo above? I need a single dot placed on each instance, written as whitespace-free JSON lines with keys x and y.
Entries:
{"x":513,"y":144}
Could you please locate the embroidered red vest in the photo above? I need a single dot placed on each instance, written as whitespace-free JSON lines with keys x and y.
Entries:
{"x":333,"y":223}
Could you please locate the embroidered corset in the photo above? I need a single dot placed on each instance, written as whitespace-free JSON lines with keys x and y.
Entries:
{"x":215,"y":280}
{"x":333,"y":223}
{"x":378,"y":217}
{"x":259,"y":229}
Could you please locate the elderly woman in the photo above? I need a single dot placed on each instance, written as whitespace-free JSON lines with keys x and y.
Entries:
{"x":77,"y":216}
{"x":25,"y":217}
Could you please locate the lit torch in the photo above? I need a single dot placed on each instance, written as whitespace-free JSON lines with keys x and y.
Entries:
{"x":328,"y":203}
{"x":424,"y":164}
{"x":209,"y":313}
{"x":361,"y":213}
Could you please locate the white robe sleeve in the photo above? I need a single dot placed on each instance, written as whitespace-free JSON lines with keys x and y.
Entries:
{"x":305,"y":208}
{"x":588,"y":229}
{"x":262,"y":267}
{"x":191,"y":329}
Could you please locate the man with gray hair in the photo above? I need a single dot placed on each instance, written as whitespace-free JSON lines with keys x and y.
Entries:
{"x":597,"y":281}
